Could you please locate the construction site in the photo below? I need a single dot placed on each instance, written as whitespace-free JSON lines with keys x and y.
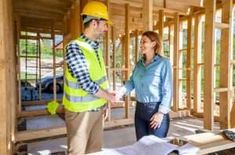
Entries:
{"x":198,"y":37}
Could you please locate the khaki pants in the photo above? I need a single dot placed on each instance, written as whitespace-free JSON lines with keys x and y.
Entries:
{"x":84,"y":132}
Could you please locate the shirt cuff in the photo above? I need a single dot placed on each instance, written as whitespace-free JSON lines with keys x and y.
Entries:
{"x":95,"y":90}
{"x":163,"y":109}
{"x":120,"y":92}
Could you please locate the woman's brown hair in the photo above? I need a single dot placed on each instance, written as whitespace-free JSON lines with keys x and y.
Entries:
{"x":154,"y":36}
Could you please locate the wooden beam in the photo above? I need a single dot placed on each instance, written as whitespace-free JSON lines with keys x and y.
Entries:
{"x":232,"y":114}
{"x":226,"y":68}
{"x":161,"y":28}
{"x":113,"y":56}
{"x":220,"y":90}
{"x":8,"y":85}
{"x":209,"y":61}
{"x":131,"y":3}
{"x":196,"y":3}
{"x":107,"y":55}
{"x":136,"y":46}
{"x":76,"y":27}
{"x":176,"y":64}
{"x":221,"y":25}
{"x":30,"y":135}
{"x":31,"y":103}
{"x":197,"y":59}
{"x":127,"y":54}
{"x":32,"y":113}
{"x":148,"y":15}
{"x":209,"y":142}
{"x":188,"y":61}
{"x":168,"y":10}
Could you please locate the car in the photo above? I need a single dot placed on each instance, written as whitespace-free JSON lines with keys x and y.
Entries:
{"x":25,"y":83}
{"x":46,"y":83}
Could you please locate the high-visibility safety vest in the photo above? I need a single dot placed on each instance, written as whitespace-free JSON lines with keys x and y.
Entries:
{"x":75,"y":99}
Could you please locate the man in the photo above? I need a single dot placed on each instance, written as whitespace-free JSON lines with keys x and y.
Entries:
{"x":85,"y":86}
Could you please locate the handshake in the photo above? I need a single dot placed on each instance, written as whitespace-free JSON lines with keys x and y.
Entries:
{"x":116,"y":95}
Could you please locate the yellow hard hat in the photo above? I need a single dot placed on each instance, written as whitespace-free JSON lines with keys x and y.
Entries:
{"x":96,"y":9}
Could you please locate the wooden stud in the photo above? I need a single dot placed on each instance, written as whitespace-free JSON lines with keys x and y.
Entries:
{"x":127,"y":54}
{"x":225,"y":66}
{"x":136,"y":46}
{"x":197,"y":68}
{"x":148,"y":15}
{"x":53,"y":64}
{"x":40,"y":66}
{"x":161,"y":28}
{"x":176,"y":64}
{"x":209,"y":61}
{"x":221,"y":25}
{"x":188,"y":62}
{"x":113,"y":57}
{"x":59,"y":131}
{"x":8,"y":85}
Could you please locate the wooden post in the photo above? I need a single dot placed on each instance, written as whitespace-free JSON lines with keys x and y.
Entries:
{"x":161,"y":28}
{"x":40,"y":65}
{"x":176,"y":64}
{"x":114,"y":58}
{"x":127,"y":53}
{"x":171,"y":42}
{"x":181,"y":80}
{"x":107,"y":52}
{"x":136,"y":46}
{"x":76,"y":21}
{"x":8,"y":85}
{"x":188,"y":62}
{"x":82,"y":4}
{"x":18,"y":25}
{"x":148,"y":15}
{"x":197,"y":68}
{"x":54,"y":62}
{"x":107,"y":58}
{"x":209,"y":61}
{"x":122,"y":38}
{"x":226,"y":66}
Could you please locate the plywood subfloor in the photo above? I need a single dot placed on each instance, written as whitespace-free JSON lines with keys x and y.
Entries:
{"x":118,"y":137}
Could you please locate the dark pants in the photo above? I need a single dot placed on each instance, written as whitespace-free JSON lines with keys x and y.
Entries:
{"x":143,"y":113}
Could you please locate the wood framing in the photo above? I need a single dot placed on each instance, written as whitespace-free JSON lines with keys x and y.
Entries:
{"x":209,"y":61}
{"x":176,"y":64}
{"x":148,"y":15}
{"x":161,"y":27}
{"x":113,"y":57}
{"x":60,"y":131}
{"x":136,"y":46}
{"x":127,"y":54}
{"x":130,"y":18}
{"x":197,"y":67}
{"x":188,"y":62}
{"x":226,"y":99}
{"x":210,"y":142}
{"x":8,"y":89}
{"x":77,"y":29}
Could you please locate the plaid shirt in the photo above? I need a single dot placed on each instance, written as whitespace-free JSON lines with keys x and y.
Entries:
{"x":77,"y":66}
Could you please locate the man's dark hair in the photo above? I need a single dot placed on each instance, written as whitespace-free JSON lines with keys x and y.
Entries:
{"x":88,"y":19}
{"x":87,"y":23}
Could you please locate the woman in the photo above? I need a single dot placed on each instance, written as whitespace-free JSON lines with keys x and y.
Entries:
{"x":152,"y":81}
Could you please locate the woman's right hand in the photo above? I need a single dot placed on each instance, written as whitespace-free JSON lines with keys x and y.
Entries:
{"x":156,"y":120}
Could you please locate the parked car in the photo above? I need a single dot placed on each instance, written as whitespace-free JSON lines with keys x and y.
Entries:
{"x":47,"y":83}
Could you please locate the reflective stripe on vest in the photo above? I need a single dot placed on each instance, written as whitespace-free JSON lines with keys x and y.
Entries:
{"x":75,"y":85}
{"x":81,"y":99}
